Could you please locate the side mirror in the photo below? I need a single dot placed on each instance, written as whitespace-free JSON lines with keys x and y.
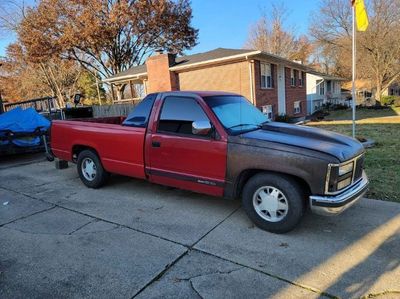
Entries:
{"x":201,"y":127}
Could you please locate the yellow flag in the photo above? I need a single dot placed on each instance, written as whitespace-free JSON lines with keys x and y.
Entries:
{"x":361,"y":15}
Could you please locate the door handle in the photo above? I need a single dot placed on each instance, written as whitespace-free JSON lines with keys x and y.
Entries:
{"x":156,"y":144}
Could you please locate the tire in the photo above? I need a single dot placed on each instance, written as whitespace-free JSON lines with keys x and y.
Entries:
{"x":95,"y":176}
{"x":283,"y":205}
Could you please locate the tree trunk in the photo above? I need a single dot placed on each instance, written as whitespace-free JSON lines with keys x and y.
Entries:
{"x":378,"y":91}
{"x":60,"y":97}
{"x":120,"y":91}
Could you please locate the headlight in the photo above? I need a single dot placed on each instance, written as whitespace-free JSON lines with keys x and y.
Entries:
{"x":343,"y":183}
{"x":340,"y":176}
{"x":346,"y":168}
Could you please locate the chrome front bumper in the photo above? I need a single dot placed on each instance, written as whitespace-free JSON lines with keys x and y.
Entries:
{"x":335,"y":204}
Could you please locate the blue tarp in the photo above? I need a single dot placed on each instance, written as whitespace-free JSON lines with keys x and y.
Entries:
{"x":23,"y":121}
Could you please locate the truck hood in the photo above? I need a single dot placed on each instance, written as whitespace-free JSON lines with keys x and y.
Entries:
{"x":337,"y":145}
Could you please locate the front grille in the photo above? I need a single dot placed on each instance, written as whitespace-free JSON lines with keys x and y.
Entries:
{"x":359,"y":168}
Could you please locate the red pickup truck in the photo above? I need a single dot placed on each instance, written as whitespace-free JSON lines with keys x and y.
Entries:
{"x":219,"y":144}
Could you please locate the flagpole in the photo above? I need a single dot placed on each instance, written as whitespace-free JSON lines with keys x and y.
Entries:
{"x":353,"y":85}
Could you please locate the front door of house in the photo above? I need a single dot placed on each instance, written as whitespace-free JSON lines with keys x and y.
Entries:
{"x":281,"y":90}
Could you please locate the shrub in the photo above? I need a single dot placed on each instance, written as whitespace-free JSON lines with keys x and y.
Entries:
{"x":389,"y":100}
{"x":326,"y":106}
{"x":283,"y":118}
{"x":318,"y":115}
{"x":396,"y":102}
{"x":339,"y":107}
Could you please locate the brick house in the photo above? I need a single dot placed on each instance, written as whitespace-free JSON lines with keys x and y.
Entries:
{"x":275,"y":85}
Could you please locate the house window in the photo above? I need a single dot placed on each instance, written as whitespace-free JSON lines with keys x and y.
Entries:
{"x":300,"y":78}
{"x":292,"y":78}
{"x":321,"y":87}
{"x":266,"y":75}
{"x":335,"y":87}
{"x":267,"y":110}
{"x":297,"y":107}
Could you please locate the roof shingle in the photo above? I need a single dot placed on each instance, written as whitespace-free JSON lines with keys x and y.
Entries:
{"x":184,"y":60}
{"x":219,"y":53}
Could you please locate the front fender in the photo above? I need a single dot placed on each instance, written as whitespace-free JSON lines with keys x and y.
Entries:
{"x":241,"y":157}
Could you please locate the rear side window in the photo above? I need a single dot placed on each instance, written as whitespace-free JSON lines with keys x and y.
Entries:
{"x":139,"y":117}
{"x":178,"y":114}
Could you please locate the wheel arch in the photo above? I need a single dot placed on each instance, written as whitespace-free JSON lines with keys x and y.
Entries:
{"x":78,"y":148}
{"x":246,"y":174}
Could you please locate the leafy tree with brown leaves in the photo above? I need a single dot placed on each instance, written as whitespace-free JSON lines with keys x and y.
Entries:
{"x":23,"y":79}
{"x":106,"y":36}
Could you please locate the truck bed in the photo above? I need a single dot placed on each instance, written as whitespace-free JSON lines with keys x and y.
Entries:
{"x":120,"y":148}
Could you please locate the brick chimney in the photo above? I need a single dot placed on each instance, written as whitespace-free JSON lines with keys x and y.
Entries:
{"x":160,"y":78}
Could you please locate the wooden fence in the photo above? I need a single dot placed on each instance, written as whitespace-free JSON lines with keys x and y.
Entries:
{"x":47,"y":107}
{"x":46,"y":104}
{"x":112,"y":110}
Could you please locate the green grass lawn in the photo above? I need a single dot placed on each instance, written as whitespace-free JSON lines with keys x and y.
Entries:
{"x":382,"y":161}
{"x":362,"y":113}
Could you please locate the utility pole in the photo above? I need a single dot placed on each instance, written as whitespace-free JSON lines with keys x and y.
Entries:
{"x":1,"y":104}
{"x":353,"y":83}
{"x":360,"y":23}
{"x":1,"y":99}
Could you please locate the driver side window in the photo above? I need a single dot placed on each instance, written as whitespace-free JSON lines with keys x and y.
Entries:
{"x":178,"y":114}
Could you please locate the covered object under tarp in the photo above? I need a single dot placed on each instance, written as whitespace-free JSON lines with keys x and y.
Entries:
{"x":22,"y":128}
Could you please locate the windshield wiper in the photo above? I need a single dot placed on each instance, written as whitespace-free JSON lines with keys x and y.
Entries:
{"x":242,"y":125}
{"x":265,"y":122}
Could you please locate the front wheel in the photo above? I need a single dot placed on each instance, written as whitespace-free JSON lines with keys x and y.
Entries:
{"x":273,"y":202}
{"x":90,"y":169}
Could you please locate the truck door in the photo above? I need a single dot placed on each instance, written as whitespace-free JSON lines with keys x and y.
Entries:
{"x":179,"y":158}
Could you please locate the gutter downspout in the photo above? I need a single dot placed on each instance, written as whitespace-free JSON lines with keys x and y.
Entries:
{"x":145,"y":86}
{"x":251,"y":63}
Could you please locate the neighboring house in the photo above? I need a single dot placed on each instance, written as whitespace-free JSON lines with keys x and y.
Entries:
{"x":323,"y":89}
{"x":365,"y":91}
{"x":392,"y":90}
{"x":275,"y":85}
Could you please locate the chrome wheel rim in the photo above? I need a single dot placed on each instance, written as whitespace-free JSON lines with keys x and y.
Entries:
{"x":270,"y":203}
{"x":89,"y":169}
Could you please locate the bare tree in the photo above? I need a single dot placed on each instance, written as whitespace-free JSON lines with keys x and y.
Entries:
{"x":270,"y":34}
{"x":11,"y":13}
{"x":378,"y":49}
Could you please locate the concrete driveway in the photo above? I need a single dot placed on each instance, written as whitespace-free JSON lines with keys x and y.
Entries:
{"x":133,"y":239}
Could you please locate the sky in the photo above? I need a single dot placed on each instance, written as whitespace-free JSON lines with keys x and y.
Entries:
{"x":226,"y":23}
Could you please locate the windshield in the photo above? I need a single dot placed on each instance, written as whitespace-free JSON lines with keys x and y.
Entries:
{"x":236,"y":113}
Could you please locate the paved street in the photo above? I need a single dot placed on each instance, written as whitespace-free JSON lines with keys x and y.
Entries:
{"x":133,"y":239}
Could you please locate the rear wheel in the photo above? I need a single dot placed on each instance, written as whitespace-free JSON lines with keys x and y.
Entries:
{"x":90,"y":169}
{"x":273,"y":202}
